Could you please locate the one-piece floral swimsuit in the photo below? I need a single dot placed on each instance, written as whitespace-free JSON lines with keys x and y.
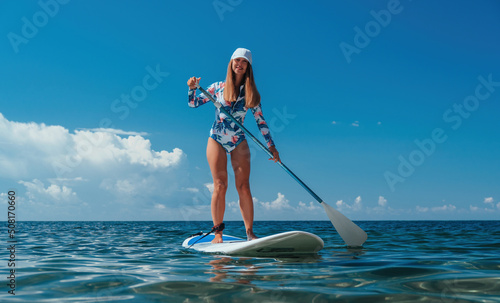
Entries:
{"x":224,"y":131}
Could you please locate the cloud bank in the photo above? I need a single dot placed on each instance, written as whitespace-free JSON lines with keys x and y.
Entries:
{"x":86,"y":172}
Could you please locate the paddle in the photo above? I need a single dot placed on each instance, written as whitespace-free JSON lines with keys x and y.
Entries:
{"x":352,"y":234}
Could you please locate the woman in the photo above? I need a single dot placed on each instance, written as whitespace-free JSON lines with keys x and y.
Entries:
{"x":237,"y":94}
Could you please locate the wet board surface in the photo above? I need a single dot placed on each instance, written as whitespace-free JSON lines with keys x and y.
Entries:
{"x":287,"y":243}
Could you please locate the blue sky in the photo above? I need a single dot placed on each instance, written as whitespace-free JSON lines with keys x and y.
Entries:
{"x":386,"y":109}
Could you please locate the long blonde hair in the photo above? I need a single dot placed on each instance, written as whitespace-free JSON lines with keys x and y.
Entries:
{"x":252,"y":96}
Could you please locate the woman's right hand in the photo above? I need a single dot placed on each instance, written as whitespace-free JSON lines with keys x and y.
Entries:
{"x":192,"y":82}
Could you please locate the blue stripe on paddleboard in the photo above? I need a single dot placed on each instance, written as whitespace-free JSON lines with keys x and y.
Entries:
{"x":209,"y":238}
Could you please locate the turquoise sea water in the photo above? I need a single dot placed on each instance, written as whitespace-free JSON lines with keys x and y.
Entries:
{"x":402,"y":261}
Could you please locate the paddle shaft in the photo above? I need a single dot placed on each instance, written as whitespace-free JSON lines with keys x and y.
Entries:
{"x":264,"y":148}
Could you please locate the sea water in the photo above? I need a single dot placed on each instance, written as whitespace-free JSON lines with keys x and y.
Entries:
{"x":402,"y":261}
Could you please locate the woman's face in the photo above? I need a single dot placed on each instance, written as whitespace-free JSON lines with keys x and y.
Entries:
{"x":240,"y":66}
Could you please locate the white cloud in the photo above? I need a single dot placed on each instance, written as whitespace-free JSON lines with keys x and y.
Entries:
{"x":312,"y":206}
{"x":422,"y":209}
{"x":488,"y":200}
{"x":36,"y":190}
{"x":279,"y":204}
{"x":356,"y":206}
{"x":159,"y":206}
{"x":355,"y":123}
{"x":498,"y":205}
{"x":448,"y":207}
{"x":480,"y":209}
{"x":278,"y":209}
{"x":99,"y":168}
{"x":357,"y":203}
{"x":334,"y":122}
{"x":382,"y":201}
{"x":99,"y":148}
{"x":25,"y":146}
{"x":210,"y":187}
{"x":341,"y":205}
{"x":281,"y":208}
{"x":133,"y":185}
{"x":32,"y":150}
{"x":234,"y":206}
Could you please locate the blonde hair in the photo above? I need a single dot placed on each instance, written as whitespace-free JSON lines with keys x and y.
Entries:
{"x":252,"y":96}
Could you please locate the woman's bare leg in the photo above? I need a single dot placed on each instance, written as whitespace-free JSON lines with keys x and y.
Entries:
{"x":217,"y":160}
{"x":240,"y":160}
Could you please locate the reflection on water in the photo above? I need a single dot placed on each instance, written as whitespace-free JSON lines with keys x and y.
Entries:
{"x":246,"y":270}
{"x":226,"y":269}
{"x":144,"y":262}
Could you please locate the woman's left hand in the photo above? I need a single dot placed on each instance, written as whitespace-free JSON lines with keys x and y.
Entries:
{"x":276,"y":154}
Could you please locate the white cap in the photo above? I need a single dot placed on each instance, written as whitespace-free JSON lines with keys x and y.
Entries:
{"x":242,"y":53}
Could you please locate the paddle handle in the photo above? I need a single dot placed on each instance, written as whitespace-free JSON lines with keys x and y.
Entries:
{"x":262,"y":146}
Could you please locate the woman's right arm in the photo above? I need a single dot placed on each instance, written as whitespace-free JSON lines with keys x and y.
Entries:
{"x":193,"y":100}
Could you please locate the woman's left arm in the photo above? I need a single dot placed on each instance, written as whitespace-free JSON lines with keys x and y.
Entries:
{"x":264,"y":129}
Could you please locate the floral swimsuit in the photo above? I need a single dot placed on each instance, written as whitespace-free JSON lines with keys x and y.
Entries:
{"x":225,"y":131}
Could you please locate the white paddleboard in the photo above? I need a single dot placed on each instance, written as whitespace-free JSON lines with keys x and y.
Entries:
{"x":287,"y":243}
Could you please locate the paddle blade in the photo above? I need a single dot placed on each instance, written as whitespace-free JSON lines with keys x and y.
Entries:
{"x":352,"y":234}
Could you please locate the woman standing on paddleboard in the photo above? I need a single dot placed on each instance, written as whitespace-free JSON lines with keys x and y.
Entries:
{"x":237,"y":94}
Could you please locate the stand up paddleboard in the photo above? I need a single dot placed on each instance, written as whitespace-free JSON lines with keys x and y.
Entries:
{"x":287,"y":243}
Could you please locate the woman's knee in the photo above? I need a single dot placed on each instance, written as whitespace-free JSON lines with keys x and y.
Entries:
{"x":220,"y":185}
{"x":243,"y":187}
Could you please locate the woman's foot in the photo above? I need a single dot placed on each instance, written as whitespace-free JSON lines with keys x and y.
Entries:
{"x":250,"y":235}
{"x":218,"y":238}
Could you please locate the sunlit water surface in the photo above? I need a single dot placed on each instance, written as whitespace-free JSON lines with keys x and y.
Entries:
{"x":457,"y":261}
